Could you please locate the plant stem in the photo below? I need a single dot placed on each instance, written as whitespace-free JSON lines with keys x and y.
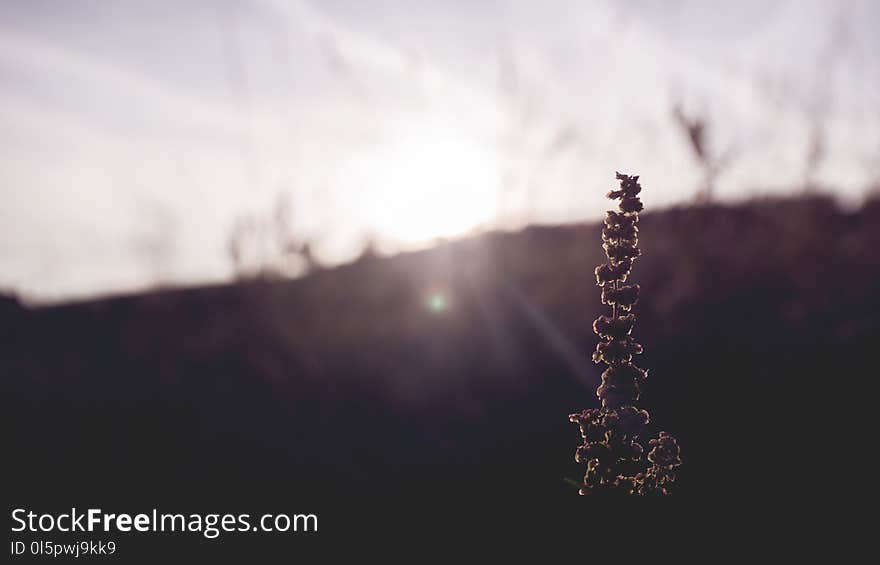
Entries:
{"x":614,"y":306}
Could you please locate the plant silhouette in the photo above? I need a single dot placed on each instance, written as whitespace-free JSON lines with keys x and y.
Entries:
{"x":611,"y":448}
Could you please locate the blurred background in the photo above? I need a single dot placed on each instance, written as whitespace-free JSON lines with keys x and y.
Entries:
{"x":346,"y":248}
{"x":158,"y":142}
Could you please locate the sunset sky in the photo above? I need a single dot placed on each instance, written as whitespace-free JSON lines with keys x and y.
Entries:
{"x":136,"y":133}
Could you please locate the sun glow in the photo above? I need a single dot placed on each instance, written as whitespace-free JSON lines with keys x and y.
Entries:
{"x":428,"y":181}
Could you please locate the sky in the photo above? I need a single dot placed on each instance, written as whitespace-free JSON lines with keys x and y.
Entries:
{"x":139,"y":136}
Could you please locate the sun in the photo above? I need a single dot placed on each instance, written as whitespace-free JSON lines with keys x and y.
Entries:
{"x":430,"y":180}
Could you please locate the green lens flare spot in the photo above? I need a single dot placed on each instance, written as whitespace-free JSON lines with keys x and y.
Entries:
{"x":437,"y":302}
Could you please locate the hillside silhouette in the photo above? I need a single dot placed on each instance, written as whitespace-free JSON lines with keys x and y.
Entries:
{"x":347,"y":384}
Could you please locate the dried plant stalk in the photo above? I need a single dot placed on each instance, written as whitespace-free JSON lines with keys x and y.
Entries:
{"x":611,"y":450}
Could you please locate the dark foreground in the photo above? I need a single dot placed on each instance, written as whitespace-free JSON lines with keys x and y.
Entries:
{"x":344,"y":395}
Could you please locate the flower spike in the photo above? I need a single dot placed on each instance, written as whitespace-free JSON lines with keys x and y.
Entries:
{"x":611,"y":448}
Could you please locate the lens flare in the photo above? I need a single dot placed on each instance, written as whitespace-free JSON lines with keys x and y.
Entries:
{"x":437,"y":302}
